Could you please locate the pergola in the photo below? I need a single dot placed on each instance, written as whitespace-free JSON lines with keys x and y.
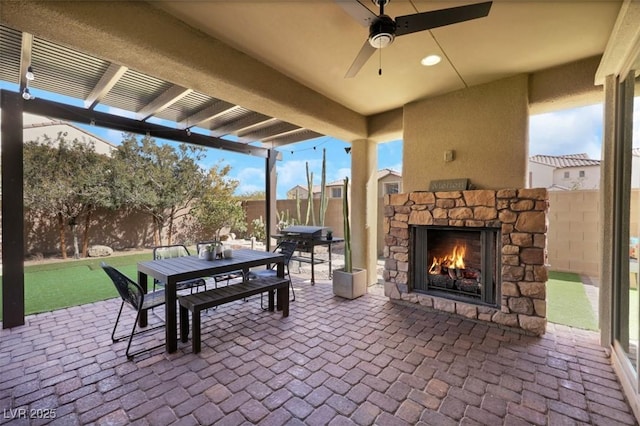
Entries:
{"x":102,"y":85}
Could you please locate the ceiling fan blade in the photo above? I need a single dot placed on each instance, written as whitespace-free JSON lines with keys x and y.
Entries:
{"x":363,"y":56}
{"x":358,"y":11}
{"x":438,"y":18}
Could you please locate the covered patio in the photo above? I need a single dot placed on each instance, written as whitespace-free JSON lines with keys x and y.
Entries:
{"x":332,"y":361}
{"x":372,"y":360}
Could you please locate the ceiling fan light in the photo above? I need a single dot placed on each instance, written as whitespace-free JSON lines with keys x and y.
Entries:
{"x":381,"y":40}
{"x":431,"y":60}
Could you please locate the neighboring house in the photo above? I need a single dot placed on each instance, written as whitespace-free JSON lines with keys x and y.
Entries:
{"x":37,"y":127}
{"x":297,"y":191}
{"x":334,"y":189}
{"x":563,"y":172}
{"x":389,"y":182}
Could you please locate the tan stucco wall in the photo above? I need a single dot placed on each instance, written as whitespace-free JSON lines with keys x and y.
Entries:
{"x":566,"y":86}
{"x":486,"y":126}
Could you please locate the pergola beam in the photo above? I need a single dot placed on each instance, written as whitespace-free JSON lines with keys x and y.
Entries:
{"x":287,"y":138}
{"x":167,"y":98}
{"x":208,"y":114}
{"x":106,"y":83}
{"x":25,"y":59}
{"x":274,"y":128}
{"x":249,"y":120}
{"x":81,"y":115}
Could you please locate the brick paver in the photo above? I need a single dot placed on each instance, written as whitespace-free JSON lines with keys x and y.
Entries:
{"x":332,"y":361}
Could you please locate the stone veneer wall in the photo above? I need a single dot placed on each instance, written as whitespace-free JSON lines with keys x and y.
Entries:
{"x":520,"y":214}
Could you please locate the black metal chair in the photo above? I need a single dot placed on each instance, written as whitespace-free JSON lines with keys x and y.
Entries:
{"x":132,"y":294}
{"x":176,"y":250}
{"x":219,"y":277}
{"x":286,"y":248}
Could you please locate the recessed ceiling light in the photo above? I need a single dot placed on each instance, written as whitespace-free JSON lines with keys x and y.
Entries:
{"x":430,"y":60}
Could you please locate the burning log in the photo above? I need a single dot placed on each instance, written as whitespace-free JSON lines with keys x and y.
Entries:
{"x":450,"y":272}
{"x":441,"y":281}
{"x":468,"y":285}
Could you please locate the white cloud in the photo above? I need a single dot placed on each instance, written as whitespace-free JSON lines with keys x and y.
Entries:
{"x":294,"y":172}
{"x":567,"y":132}
{"x":248,"y":188}
{"x":251,"y":179}
{"x":341,"y":174}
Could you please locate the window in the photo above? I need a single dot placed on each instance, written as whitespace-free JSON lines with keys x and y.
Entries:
{"x":566,"y":175}
{"x":392,"y":188}
{"x":336,"y":192}
{"x":581,"y":173}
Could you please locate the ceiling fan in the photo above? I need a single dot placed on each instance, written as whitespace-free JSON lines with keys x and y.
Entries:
{"x":383,"y":29}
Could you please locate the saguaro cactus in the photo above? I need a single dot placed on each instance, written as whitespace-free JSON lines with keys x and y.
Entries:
{"x":347,"y":227}
{"x":323,"y":188}
{"x":310,"y":212}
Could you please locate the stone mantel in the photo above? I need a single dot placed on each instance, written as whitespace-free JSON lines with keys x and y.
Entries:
{"x":521,"y":217}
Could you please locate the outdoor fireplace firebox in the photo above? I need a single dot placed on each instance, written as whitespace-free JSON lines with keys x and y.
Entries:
{"x":457,"y":263}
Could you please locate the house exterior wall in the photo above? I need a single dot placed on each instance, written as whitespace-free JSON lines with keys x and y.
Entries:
{"x":492,"y":137}
{"x":591,"y":179}
{"x":297,"y":191}
{"x":390,"y":178}
{"x":540,"y":175}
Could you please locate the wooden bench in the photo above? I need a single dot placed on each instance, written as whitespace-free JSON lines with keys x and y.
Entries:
{"x":197,"y":302}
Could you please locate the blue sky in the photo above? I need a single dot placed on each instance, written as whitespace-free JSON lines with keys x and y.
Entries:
{"x":570,"y":131}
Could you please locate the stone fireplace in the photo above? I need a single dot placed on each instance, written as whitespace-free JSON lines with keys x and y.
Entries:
{"x":499,"y":234}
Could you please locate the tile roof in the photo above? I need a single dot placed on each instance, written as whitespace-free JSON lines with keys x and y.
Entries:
{"x":385,"y":172}
{"x":560,"y":161}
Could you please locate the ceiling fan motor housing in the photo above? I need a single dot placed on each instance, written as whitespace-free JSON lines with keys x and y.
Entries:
{"x":382,"y":32}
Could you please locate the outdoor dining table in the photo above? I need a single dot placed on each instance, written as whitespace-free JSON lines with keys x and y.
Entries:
{"x":174,"y":270}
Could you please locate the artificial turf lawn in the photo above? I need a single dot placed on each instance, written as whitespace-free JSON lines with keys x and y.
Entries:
{"x":567,"y":302}
{"x":58,"y":285}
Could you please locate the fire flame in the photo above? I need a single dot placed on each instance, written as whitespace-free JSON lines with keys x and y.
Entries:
{"x":453,"y":260}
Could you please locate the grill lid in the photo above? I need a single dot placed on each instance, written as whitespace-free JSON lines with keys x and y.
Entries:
{"x":304,"y":231}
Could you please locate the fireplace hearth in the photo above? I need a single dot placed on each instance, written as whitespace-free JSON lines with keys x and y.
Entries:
{"x":501,"y":235}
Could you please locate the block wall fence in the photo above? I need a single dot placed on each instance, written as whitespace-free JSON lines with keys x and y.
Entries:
{"x":573,"y":232}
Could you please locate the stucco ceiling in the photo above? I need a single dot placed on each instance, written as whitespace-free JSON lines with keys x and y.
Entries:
{"x":286,"y":59}
{"x":314,"y":42}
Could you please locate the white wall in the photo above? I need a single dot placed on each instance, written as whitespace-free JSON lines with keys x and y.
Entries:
{"x":539,"y":175}
{"x":591,"y":179}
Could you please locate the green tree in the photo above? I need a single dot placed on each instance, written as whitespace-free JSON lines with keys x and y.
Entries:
{"x":159,"y":180}
{"x":218,"y":207}
{"x":64,"y":180}
{"x":254,"y":195}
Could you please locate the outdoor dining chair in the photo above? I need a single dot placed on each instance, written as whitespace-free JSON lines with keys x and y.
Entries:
{"x":176,"y":250}
{"x":132,"y":294}
{"x":286,"y":248}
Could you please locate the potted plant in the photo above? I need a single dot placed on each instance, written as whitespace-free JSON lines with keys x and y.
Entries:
{"x":348,"y":282}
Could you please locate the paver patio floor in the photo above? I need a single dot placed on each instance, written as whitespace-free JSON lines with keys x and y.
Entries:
{"x":332,"y":361}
